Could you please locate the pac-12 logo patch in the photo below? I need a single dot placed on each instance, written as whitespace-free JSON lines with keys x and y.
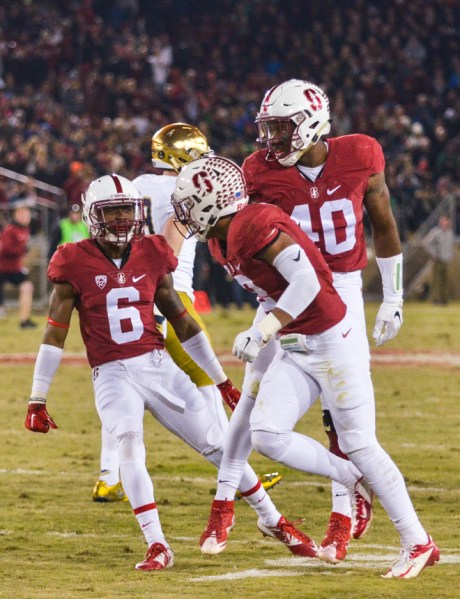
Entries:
{"x":101,"y":281}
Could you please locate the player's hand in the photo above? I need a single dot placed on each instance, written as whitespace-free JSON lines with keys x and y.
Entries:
{"x":230,"y":394}
{"x":248,"y":344}
{"x":388,"y":322}
{"x":38,"y":420}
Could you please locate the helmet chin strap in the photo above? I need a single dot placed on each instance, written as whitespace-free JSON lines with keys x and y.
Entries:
{"x":296,"y":156}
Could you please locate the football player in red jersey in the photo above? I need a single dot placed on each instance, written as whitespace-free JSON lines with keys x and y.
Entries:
{"x":113,"y":280}
{"x":322,"y":352}
{"x":324,"y":185}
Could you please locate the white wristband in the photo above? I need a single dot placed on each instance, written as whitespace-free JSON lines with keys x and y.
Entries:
{"x":46,"y":364}
{"x":391,"y":270}
{"x":201,"y":352}
{"x":268,"y":327}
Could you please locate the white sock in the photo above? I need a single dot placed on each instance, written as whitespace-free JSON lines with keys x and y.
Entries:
{"x":341,"y":500}
{"x":387,"y":482}
{"x":261,"y":502}
{"x":149,"y":521}
{"x":110,"y":468}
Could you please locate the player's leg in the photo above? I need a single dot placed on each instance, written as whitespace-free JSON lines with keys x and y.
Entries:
{"x":3,"y":279}
{"x":197,"y":426}
{"x":121,"y":410}
{"x":26,"y":292}
{"x":348,"y":389}
{"x":185,"y":362}
{"x":232,"y":471}
{"x":108,"y":487}
{"x":215,"y":403}
{"x":272,"y":423}
{"x":349,"y":510}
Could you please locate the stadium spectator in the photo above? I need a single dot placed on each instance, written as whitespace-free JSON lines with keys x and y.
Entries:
{"x":439,"y":243}
{"x":75,"y":71}
{"x":69,"y":229}
{"x":13,"y":248}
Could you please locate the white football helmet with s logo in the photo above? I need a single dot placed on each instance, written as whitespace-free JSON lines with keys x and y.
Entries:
{"x":206,"y":190}
{"x":112,"y":191}
{"x":292,"y":117}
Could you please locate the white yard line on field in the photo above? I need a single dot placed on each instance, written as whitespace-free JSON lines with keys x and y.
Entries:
{"x":380,"y":357}
{"x":353,"y":562}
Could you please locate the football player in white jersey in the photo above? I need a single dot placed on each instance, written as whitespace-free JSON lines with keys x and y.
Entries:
{"x":173,"y":146}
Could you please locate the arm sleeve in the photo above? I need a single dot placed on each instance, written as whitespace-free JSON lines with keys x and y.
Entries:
{"x":201,"y":352}
{"x":46,"y":364}
{"x":292,"y":263}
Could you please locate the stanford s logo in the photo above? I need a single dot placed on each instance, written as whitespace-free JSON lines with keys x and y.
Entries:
{"x":101,"y":281}
{"x":202,"y":182}
{"x":314,"y":192}
{"x":314,"y":99}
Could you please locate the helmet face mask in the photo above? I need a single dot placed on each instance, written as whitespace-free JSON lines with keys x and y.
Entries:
{"x":113,"y":210}
{"x":177,"y":144}
{"x":207,"y":190}
{"x":292,"y":118}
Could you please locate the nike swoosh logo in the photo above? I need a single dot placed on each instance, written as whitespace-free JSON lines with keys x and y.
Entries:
{"x":248,"y":339}
{"x":346,"y":334}
{"x":298,"y":257}
{"x":136,"y":279}
{"x":331,"y":191}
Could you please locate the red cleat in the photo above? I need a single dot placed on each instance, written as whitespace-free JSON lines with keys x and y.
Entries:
{"x":295,"y":540}
{"x":221,"y":522}
{"x":158,"y":557}
{"x":333,"y":548}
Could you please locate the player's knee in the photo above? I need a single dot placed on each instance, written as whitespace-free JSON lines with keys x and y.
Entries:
{"x":251,"y":383}
{"x":131,"y":448}
{"x":353,"y":442}
{"x":272,"y":445}
{"x":214,"y":440}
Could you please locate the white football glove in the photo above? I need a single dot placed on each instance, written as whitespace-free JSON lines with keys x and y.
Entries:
{"x":388,"y":321}
{"x":248,"y":344}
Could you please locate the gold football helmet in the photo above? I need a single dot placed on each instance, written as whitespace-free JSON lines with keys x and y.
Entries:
{"x":177,"y":144}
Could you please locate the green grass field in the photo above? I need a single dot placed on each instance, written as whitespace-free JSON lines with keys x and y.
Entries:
{"x":56,"y":543}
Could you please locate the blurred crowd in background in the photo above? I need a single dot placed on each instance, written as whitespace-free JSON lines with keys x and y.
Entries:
{"x":84,"y":84}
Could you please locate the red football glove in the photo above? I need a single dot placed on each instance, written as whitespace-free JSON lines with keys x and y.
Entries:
{"x":38,"y":420}
{"x":230,"y":393}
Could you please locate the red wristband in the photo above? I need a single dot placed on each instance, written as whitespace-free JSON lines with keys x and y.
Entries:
{"x":58,"y":324}
{"x":178,"y":316}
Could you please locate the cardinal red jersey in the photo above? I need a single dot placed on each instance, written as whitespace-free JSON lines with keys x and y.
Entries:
{"x":13,"y":247}
{"x":115,"y":304}
{"x":330,"y":209}
{"x":251,"y":230}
